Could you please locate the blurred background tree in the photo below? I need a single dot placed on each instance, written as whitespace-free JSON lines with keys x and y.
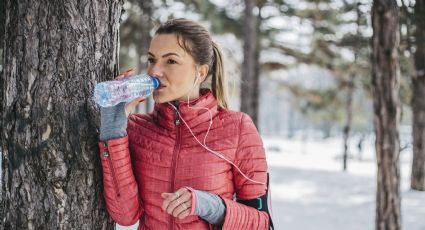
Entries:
{"x":418,"y":102}
{"x":387,"y":110}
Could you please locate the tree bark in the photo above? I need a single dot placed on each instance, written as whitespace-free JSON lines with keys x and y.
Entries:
{"x":250,"y":66}
{"x":55,"y":52}
{"x":2,"y":20}
{"x":386,"y":84}
{"x":418,"y":102}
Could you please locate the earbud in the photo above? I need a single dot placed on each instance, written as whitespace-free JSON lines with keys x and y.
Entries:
{"x":197,"y":78}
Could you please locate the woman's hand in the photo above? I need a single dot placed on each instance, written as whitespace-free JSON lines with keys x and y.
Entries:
{"x":177,"y":204}
{"x":130,"y":106}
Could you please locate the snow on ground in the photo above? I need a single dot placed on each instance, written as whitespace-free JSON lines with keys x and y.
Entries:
{"x":310,"y":190}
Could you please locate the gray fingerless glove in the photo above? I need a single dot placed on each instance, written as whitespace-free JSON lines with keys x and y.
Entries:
{"x":210,"y":207}
{"x":113,"y":122}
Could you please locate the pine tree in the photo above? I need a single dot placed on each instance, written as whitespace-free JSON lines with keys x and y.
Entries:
{"x":385,"y":81}
{"x":250,"y":65}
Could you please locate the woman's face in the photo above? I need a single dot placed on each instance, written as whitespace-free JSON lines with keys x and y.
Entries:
{"x":175,"y":68}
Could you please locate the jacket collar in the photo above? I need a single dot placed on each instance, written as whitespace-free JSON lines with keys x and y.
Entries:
{"x":165,"y":115}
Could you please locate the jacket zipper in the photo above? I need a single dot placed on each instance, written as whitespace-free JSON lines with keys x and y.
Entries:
{"x":175,"y":154}
{"x":108,"y":159}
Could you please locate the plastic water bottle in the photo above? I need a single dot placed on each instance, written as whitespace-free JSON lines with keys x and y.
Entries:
{"x":110,"y":93}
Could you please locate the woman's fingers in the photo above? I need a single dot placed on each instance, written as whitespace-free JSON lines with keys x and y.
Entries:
{"x":180,"y":205}
{"x":184,"y":210}
{"x":172,"y":201}
{"x":127,"y":73}
{"x":184,"y":214}
{"x":168,"y":197}
{"x":165,"y":202}
{"x":177,"y":204}
{"x":166,"y":194}
{"x":119,"y":77}
{"x":137,"y":100}
{"x":130,"y":106}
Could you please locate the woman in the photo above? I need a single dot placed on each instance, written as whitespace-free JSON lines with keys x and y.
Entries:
{"x":161,"y":168}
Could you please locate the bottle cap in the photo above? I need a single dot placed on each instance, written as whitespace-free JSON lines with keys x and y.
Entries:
{"x":156,"y":82}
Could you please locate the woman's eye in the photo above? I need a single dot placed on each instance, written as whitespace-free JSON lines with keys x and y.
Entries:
{"x":171,"y":61}
{"x":151,"y":60}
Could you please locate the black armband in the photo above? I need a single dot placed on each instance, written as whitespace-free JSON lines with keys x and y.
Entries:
{"x":261,"y":203}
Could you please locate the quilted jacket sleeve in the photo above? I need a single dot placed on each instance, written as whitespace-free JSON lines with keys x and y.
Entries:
{"x":120,"y":187}
{"x":250,"y":158}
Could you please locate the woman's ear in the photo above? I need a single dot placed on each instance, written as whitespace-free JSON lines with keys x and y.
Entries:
{"x":203,"y":72}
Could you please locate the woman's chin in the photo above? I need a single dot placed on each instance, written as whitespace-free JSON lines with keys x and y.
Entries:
{"x":159,"y":99}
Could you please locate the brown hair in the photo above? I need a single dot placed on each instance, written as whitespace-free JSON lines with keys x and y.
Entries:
{"x":196,"y":41}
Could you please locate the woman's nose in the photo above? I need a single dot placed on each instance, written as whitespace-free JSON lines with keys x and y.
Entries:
{"x":155,"y":70}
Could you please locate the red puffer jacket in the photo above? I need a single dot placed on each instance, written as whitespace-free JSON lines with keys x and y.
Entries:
{"x":160,"y":155}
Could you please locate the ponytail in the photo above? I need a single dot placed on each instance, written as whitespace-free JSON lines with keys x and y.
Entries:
{"x":218,"y":83}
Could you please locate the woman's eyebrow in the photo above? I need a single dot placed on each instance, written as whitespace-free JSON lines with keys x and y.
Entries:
{"x":165,"y":55}
{"x":170,"y":54}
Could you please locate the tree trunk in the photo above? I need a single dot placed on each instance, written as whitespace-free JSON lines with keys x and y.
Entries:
{"x":350,"y":95}
{"x":2,"y":30}
{"x":418,"y":102}
{"x":250,"y":66}
{"x":55,"y":52}
{"x":349,"y":112}
{"x":386,"y":84}
{"x":2,"y":20}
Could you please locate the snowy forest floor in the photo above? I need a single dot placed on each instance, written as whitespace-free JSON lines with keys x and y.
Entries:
{"x":310,"y":190}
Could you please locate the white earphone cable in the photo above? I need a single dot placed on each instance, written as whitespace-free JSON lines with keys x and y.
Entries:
{"x":204,"y":145}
